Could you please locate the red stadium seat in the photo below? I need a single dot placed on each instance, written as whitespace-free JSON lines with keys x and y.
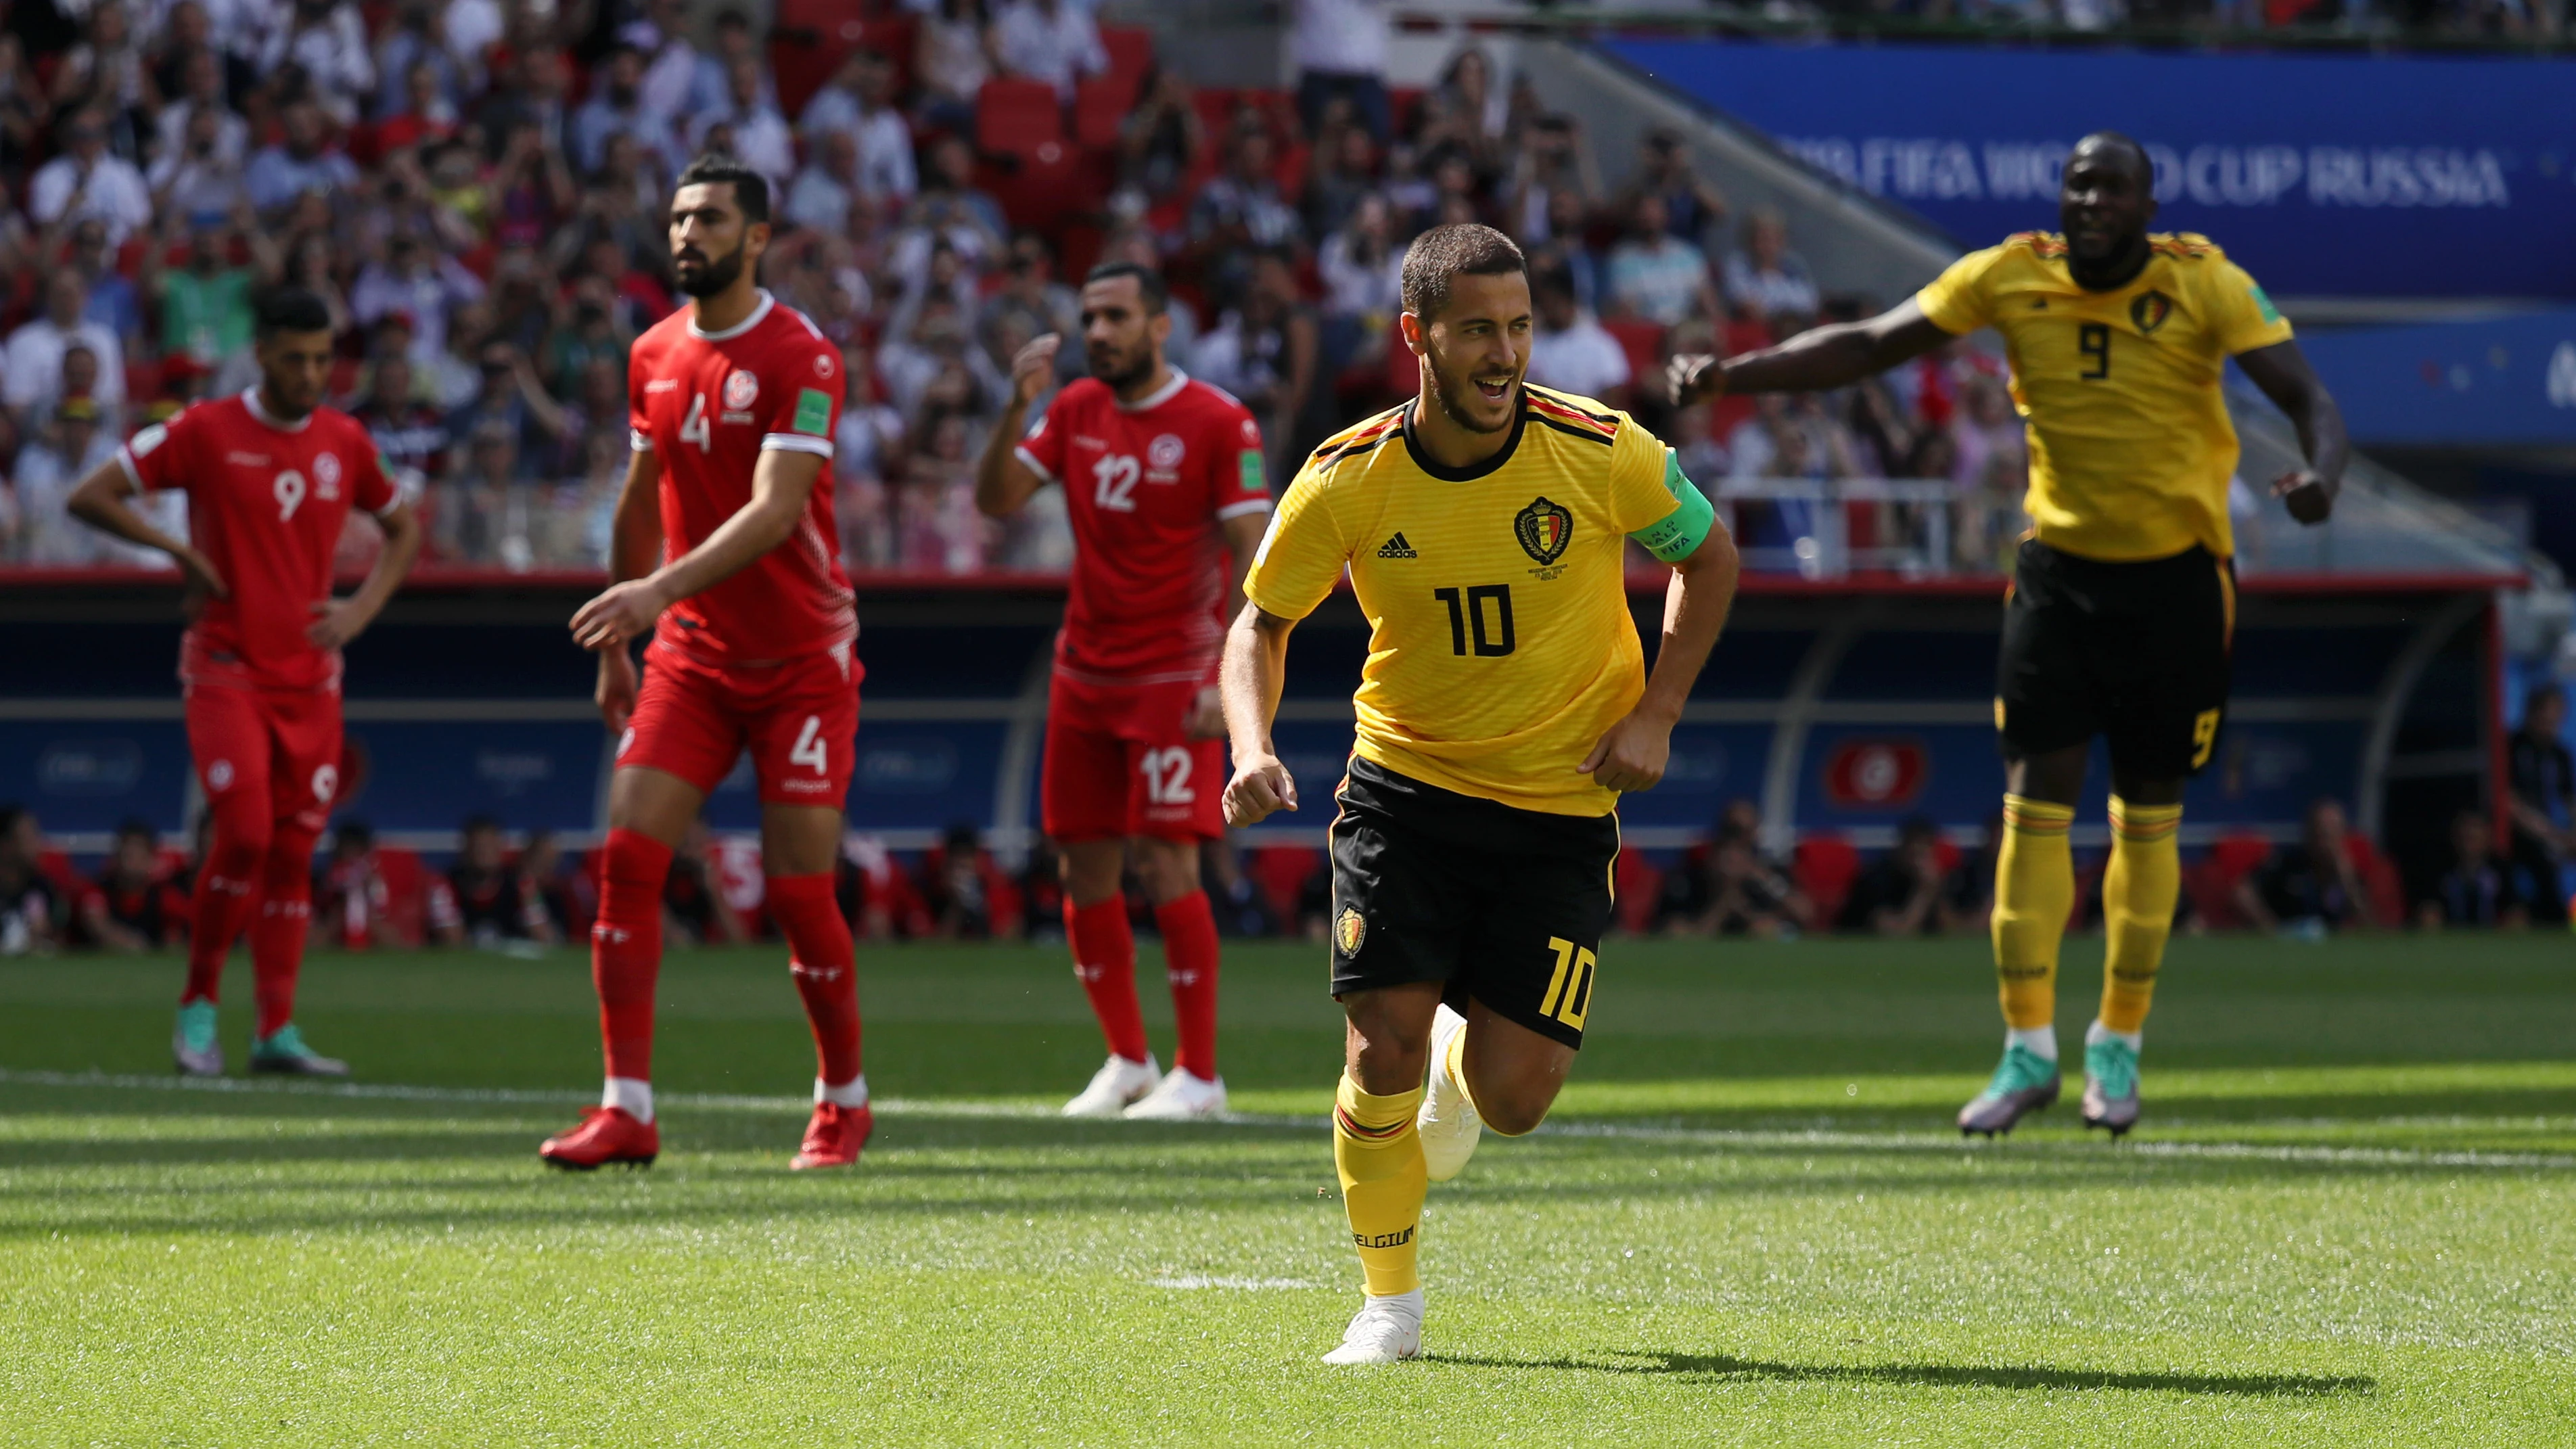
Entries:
{"x":1045,"y":185}
{"x":1017,"y":118}
{"x":2212,"y":880}
{"x":1131,"y":53}
{"x":406,"y":893}
{"x":1643,"y":341}
{"x":1636,"y":884}
{"x":1100,"y":109}
{"x":1824,"y":867}
{"x":1281,"y":873}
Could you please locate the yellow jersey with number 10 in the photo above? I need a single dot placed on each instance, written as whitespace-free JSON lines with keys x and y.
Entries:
{"x":1500,"y":643}
{"x":2130,"y":444}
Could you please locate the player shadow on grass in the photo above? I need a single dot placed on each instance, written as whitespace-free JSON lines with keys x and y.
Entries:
{"x":1723,"y":1367}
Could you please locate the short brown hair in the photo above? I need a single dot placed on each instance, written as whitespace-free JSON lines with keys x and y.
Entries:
{"x":1464,"y":249}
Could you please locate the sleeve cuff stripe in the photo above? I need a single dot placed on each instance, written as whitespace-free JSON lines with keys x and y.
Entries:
{"x":1250,"y":505}
{"x":795,"y":443}
{"x":133,"y":475}
{"x":639,"y":440}
{"x":1034,"y":466}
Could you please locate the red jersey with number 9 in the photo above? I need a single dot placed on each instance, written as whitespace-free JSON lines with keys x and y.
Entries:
{"x":707,"y":404}
{"x":1145,"y":484}
{"x":266,"y":501}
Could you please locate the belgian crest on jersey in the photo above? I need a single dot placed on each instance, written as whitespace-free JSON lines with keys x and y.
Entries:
{"x":2150,"y":310}
{"x":1349,"y":929}
{"x":1544,"y":529}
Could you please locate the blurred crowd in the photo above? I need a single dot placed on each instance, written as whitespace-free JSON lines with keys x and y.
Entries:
{"x":529,"y":892}
{"x":476,"y":187}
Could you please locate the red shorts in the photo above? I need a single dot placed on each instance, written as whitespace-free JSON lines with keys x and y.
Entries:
{"x":799,"y":718}
{"x":1120,"y":762}
{"x":277,"y":745}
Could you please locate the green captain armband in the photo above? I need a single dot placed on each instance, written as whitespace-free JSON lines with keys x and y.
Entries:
{"x":1678,"y":534}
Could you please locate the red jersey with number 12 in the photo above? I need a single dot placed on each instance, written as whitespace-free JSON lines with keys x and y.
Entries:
{"x":707,"y":404}
{"x":1145,"y":484}
{"x":266,"y":501}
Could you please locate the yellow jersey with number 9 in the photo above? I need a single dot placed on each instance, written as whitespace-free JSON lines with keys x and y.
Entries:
{"x":2130,"y":444}
{"x":1500,"y":643}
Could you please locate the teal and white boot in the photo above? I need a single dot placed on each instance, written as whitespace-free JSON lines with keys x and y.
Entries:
{"x":193,"y":1043}
{"x":2110,"y":1080}
{"x":283,"y":1051}
{"x":2024,"y":1082}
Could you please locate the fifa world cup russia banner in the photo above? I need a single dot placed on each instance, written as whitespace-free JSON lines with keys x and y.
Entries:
{"x":2325,"y":175}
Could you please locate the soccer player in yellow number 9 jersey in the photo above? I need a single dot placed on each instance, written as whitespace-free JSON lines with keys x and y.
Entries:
{"x":1504,"y":707}
{"x":2124,"y":594}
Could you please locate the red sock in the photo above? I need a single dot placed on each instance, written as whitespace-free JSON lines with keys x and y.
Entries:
{"x":826,"y":970}
{"x":226,"y":879}
{"x":277,"y":931}
{"x":1189,"y":959}
{"x":626,"y":949}
{"x":1104,"y":957}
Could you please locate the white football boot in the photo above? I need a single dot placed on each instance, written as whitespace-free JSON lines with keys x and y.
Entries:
{"x":1117,"y":1083}
{"x":1180,"y":1097}
{"x":1385,"y":1330}
{"x":1447,"y":1120}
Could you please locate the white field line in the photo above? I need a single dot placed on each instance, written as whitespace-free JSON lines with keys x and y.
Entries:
{"x":1188,"y":1281}
{"x":1825,"y":1139}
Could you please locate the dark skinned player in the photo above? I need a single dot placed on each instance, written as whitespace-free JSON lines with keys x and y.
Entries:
{"x":2124,"y":596}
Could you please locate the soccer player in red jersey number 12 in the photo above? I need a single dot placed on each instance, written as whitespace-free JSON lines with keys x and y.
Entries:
{"x":725,"y":552}
{"x":1160,"y":475}
{"x":270,"y":476}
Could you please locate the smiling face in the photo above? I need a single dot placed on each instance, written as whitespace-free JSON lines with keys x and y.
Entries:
{"x":1476,"y":349}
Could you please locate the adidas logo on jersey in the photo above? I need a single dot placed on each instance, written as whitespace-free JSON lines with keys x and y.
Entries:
{"x":1396,"y":547}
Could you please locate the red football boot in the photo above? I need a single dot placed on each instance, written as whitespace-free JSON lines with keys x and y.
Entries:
{"x":606,"y":1135}
{"x":834,"y":1137}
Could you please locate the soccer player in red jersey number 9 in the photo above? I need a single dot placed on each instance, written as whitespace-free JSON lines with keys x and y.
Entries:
{"x":270,"y":476}
{"x":724,"y":551}
{"x":1160,"y":474}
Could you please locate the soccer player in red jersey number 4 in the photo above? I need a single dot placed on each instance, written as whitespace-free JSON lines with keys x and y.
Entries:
{"x":270,"y":476}
{"x":1160,"y":475}
{"x":724,"y":552}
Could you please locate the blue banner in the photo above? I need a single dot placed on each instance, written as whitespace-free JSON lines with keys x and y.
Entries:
{"x":2324,"y":175}
{"x":2498,"y":381}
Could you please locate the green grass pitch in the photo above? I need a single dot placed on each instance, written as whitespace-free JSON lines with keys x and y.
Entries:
{"x":2347,"y":1220}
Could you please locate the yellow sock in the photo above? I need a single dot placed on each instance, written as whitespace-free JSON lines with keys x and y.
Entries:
{"x":2138,"y":894}
{"x":1379,"y":1156}
{"x":2034,"y":889}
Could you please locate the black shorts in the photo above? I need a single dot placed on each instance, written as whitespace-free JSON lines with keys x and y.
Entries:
{"x":1507,"y":906}
{"x":2136,"y":652}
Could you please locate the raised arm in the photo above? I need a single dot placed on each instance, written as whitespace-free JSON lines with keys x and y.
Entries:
{"x":1256,"y":662}
{"x":2282,"y":371}
{"x":1824,"y":357}
{"x":781,"y":485}
{"x":1004,"y":484}
{"x":102,"y":500}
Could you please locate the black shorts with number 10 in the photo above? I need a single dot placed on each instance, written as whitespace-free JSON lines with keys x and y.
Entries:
{"x":1506,"y":906}
{"x":2134,"y":652}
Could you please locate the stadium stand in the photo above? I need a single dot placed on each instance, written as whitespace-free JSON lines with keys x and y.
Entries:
{"x":476,"y":199}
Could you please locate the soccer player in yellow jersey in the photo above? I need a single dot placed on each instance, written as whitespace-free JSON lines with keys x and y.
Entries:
{"x":2124,"y":594}
{"x":1504,"y":707}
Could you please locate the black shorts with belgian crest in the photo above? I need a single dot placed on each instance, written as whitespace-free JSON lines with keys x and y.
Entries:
{"x":1506,"y":906}
{"x":2134,"y":652}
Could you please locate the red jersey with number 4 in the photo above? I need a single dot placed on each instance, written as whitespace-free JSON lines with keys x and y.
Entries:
{"x":707,"y":404}
{"x":266,"y":501}
{"x":1145,"y":484}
